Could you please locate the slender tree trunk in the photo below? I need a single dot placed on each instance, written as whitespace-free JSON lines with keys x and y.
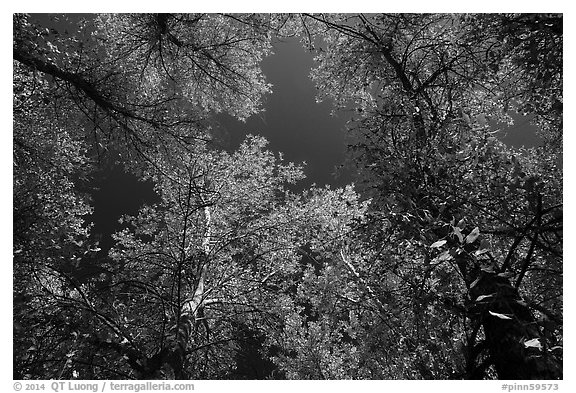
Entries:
{"x":171,"y":361}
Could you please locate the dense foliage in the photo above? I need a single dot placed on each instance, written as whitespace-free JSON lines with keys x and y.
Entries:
{"x":444,"y":263}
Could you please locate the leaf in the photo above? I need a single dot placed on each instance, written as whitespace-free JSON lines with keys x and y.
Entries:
{"x":505,"y":275}
{"x":474,"y":283}
{"x":482,"y":297}
{"x":438,"y":244}
{"x":445,"y":256}
{"x":472,"y":236}
{"x":461,"y":224}
{"x":534,"y":343}
{"x":498,"y":315}
{"x":458,"y":233}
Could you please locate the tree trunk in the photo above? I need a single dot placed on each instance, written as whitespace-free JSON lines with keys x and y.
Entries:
{"x":508,"y":323}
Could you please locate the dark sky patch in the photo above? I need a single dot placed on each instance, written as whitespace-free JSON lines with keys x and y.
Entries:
{"x":293,"y":122}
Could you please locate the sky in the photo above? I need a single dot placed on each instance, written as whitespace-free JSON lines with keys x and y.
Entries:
{"x":293,"y":122}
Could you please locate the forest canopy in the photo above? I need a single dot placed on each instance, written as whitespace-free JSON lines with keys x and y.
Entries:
{"x":443,"y":260}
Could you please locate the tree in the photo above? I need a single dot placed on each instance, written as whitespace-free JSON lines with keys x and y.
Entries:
{"x":425,"y":87}
{"x":312,"y":341}
{"x":187,"y":272}
{"x":147,"y":83}
{"x":75,"y":99}
{"x":50,"y":230}
{"x":447,"y":263}
{"x":530,"y":68}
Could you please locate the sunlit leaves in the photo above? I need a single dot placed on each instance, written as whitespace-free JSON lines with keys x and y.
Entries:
{"x":451,"y":235}
{"x":533,"y":343}
{"x":426,"y":91}
{"x":244,"y":254}
{"x":438,"y":244}
{"x":483,"y":297}
{"x":213,"y":60}
{"x":458,"y":233}
{"x":50,"y":226}
{"x":499,"y":315}
{"x":472,"y":236}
